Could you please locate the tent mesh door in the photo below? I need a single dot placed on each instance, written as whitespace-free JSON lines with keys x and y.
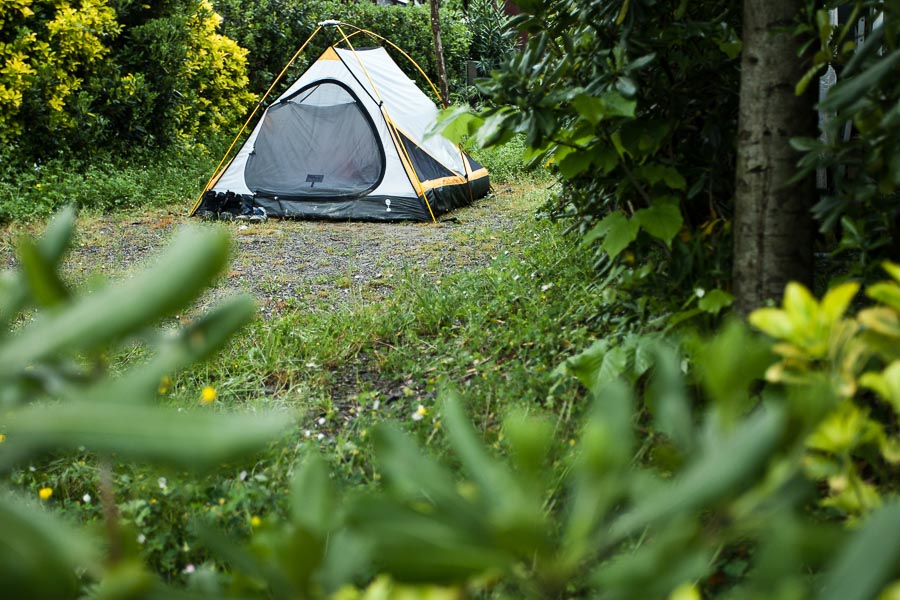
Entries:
{"x":319,"y":143}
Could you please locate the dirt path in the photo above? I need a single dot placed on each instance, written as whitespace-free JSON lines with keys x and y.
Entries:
{"x":321,"y":264}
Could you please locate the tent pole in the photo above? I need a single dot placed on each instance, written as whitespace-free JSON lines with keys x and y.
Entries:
{"x":392,"y":129}
{"x":217,"y":171}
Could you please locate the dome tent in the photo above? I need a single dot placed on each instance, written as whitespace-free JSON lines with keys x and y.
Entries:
{"x":348,"y":140}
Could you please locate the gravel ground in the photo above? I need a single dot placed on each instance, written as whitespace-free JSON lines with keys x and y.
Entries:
{"x":322,"y":264}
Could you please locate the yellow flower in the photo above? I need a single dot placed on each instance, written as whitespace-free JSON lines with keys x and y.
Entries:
{"x":208,"y":394}
{"x":45,"y":493}
{"x":165,"y":384}
{"x":255,"y":521}
{"x":2,"y":438}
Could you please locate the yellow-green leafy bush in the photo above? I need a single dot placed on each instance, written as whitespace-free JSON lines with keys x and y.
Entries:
{"x":856,"y":446}
{"x":50,"y":49}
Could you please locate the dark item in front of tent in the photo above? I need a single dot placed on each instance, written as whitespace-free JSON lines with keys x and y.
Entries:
{"x":349,"y":139}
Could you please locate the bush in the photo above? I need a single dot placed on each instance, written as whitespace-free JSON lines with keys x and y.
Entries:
{"x":140,"y":180}
{"x":273,"y":35}
{"x":110,"y":76}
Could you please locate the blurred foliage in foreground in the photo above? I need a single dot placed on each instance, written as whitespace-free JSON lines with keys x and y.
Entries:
{"x":703,"y":491}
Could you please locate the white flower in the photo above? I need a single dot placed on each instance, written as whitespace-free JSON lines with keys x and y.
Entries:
{"x":546,"y":287}
{"x":86,"y":498}
{"x":320,"y":436}
{"x":321,"y":420}
{"x":189,"y":569}
{"x":307,"y":432}
{"x":141,"y":538}
{"x":699,"y":292}
{"x":420,"y":413}
{"x":162,"y":483}
{"x":376,"y":404}
{"x":243,"y":475}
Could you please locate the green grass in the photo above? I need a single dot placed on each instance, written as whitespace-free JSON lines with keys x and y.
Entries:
{"x":144,"y":180}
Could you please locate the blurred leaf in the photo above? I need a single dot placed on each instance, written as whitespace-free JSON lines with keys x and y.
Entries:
{"x":192,"y":261}
{"x":729,"y":363}
{"x":853,"y":88}
{"x":423,"y":545}
{"x":51,"y":247}
{"x":869,"y":561}
{"x":529,"y":439}
{"x":721,"y":468}
{"x":667,"y":400}
{"x":196,"y":439}
{"x":191,"y":344}
{"x":46,"y":287}
{"x":515,"y":515}
{"x":40,"y":554}
{"x":313,"y":498}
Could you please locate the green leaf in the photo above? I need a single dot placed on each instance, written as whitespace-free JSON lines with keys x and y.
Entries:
{"x":313,"y":502}
{"x":667,"y":399}
{"x":714,"y":301}
{"x":662,"y":220}
{"x":772,"y":321}
{"x":617,"y":232}
{"x":46,"y":287}
{"x":616,"y":105}
{"x":197,"y":439}
{"x":458,"y":123}
{"x":51,"y":246}
{"x":191,"y":263}
{"x":799,"y":303}
{"x":728,"y":365}
{"x":589,"y":107}
{"x":886,"y":292}
{"x":495,"y":130}
{"x":848,"y":91}
{"x":724,"y":467}
{"x":515,"y":515}
{"x":836,"y":301}
{"x":413,"y":476}
{"x":40,"y":553}
{"x":868,"y":561}
{"x":575,"y":163}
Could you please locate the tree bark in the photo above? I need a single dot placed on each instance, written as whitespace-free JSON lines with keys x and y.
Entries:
{"x":439,"y":51}
{"x":773,"y":226}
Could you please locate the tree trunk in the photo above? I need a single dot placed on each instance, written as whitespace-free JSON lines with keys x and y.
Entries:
{"x":439,"y":51}
{"x":773,"y":226}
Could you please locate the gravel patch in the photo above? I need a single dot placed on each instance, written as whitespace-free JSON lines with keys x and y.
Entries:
{"x":319,"y":265}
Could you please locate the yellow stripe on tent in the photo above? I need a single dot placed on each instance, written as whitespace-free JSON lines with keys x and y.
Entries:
{"x":329,"y":54}
{"x":454,"y":180}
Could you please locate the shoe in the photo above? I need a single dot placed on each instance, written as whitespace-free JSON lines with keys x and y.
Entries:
{"x":259,"y":215}
{"x":246,"y":213}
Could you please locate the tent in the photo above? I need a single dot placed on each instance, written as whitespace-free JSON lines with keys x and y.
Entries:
{"x":349,"y":140}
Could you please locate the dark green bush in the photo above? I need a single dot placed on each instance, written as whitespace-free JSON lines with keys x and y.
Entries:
{"x":273,"y":31}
